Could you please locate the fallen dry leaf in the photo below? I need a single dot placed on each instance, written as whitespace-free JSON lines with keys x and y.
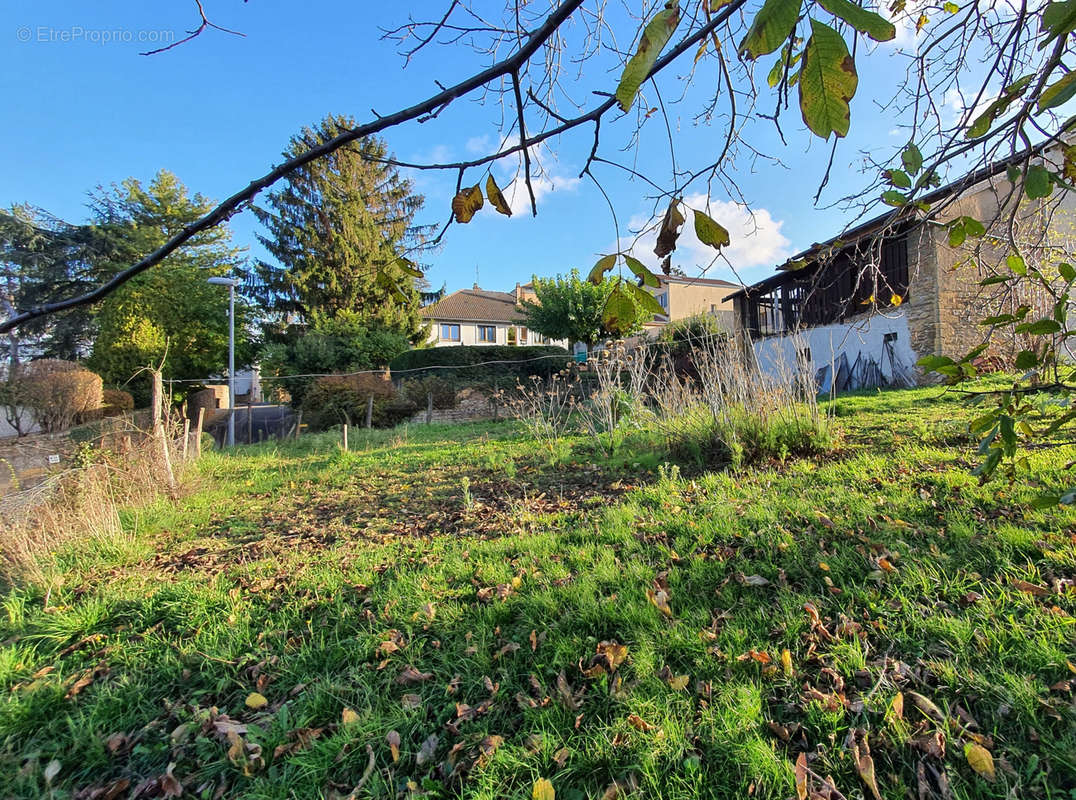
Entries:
{"x":429,"y":747}
{"x":409,"y":701}
{"x":801,"y":777}
{"x":660,"y":600}
{"x":393,"y":738}
{"x":980,"y":760}
{"x":639,"y":723}
{"x":256,"y":700}
{"x":1031,"y":588}
{"x":347,"y":716}
{"x":411,"y":675}
{"x":865,"y":766}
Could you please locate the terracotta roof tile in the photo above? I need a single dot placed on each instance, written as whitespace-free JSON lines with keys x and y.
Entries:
{"x":475,"y":305}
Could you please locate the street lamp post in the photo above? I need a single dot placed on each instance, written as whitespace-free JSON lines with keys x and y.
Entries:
{"x":231,"y":283}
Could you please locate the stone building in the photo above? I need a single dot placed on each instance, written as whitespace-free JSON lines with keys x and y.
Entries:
{"x":861,"y":308}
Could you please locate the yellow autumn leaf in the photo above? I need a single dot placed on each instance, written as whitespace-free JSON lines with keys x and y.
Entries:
{"x":660,"y":600}
{"x":496,"y":198}
{"x":543,"y":790}
{"x":980,"y":759}
{"x":466,"y":203}
{"x":786,"y":662}
{"x":256,"y":700}
{"x":347,"y":716}
{"x":678,"y":682}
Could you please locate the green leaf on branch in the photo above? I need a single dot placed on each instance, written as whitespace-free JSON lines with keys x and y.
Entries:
{"x":619,"y":312}
{"x":974,"y":227}
{"x":894,"y":198}
{"x":648,"y":302}
{"x":957,"y":233}
{"x":655,"y":36}
{"x":995,"y":279}
{"x":1041,"y":327}
{"x":710,"y":232}
{"x":1016,"y":264}
{"x":1058,"y":92}
{"x":772,"y":25}
{"x":641,"y":272}
{"x":1067,"y":271}
{"x":863,"y":20}
{"x":899,"y":178}
{"x":1026,"y":359}
{"x":912,"y":158}
{"x":408,"y":267}
{"x":1058,"y":19}
{"x":951,"y":7}
{"x":981,"y":125}
{"x":605,"y":263}
{"x":933,"y":363}
{"x":1038,"y":182}
{"x":828,"y":81}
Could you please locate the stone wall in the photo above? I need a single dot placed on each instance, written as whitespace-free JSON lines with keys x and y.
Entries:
{"x":26,"y":461}
{"x":471,"y":406}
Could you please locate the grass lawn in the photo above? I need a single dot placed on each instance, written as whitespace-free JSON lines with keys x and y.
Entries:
{"x":442,"y":613}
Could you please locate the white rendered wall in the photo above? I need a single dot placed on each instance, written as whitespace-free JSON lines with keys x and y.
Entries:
{"x":864,"y":335}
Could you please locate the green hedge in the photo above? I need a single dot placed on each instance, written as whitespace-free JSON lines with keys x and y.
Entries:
{"x":468,"y":365}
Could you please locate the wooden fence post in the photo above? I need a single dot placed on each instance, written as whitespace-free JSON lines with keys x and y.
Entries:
{"x":429,"y":408}
{"x":157,"y":398}
{"x":186,"y":436}
{"x":198,"y":432}
{"x":343,"y":442}
{"x":370,"y":411}
{"x":250,"y":423}
{"x":298,"y":422}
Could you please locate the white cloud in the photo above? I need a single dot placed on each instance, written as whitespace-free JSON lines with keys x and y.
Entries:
{"x":955,"y":104}
{"x":756,"y":238}
{"x":547,"y":176}
{"x":478,"y":145}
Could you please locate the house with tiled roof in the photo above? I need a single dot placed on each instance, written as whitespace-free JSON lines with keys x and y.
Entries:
{"x":482,"y":317}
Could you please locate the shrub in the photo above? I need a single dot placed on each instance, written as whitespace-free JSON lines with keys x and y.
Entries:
{"x":469,"y":366}
{"x":418,"y":390}
{"x":59,"y":393}
{"x":341,"y":399}
{"x":115,"y":402}
{"x":681,"y":339}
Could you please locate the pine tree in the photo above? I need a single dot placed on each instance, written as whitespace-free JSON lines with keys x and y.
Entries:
{"x":337,"y":229}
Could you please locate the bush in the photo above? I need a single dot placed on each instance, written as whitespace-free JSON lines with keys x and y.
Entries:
{"x":115,"y":402}
{"x":341,"y":399}
{"x":418,"y":390}
{"x":331,"y":345}
{"x":469,"y":366}
{"x":59,"y":393}
{"x":682,"y":338}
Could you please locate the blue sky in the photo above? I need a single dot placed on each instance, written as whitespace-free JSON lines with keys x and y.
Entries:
{"x":219,"y":110}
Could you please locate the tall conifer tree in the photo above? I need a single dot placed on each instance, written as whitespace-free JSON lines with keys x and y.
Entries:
{"x":337,"y":230}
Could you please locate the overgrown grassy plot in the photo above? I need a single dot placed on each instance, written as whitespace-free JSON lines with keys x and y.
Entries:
{"x":673,"y":636}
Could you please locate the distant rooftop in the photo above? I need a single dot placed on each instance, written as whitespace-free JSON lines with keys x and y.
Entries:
{"x":475,"y":305}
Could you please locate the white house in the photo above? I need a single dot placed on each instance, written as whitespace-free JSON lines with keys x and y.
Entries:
{"x":480,"y":317}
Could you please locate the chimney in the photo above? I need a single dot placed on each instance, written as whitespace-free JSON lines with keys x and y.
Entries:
{"x":476,"y":287}
{"x":519,"y":293}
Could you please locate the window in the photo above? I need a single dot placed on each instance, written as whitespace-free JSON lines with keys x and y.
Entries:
{"x":889,"y":337}
{"x":522,"y":335}
{"x":511,"y":336}
{"x":450,"y":333}
{"x":663,"y":300}
{"x":487,"y":333}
